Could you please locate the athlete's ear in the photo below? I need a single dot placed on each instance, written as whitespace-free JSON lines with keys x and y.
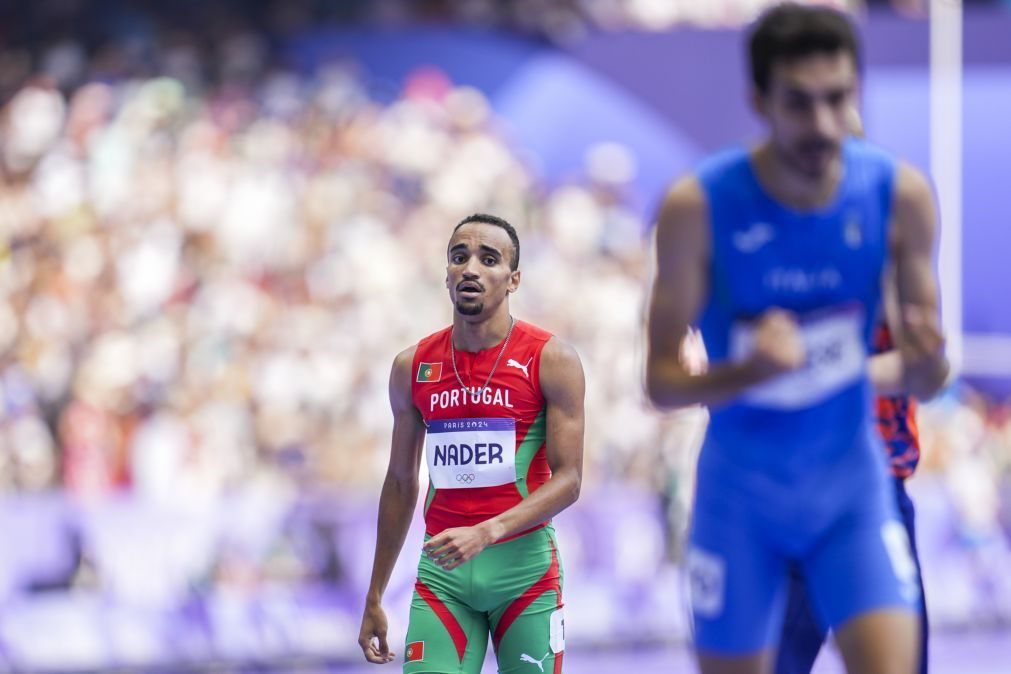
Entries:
{"x":514,"y":282}
{"x":853,"y":115}
{"x":759,"y":103}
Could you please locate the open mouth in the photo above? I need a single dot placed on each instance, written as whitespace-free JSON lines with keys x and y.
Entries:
{"x":469,"y":289}
{"x":818,"y":149}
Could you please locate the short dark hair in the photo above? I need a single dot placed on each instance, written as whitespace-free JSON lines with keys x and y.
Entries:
{"x":486,"y":219}
{"x":791,"y":31}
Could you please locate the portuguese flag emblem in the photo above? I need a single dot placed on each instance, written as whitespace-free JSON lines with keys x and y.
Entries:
{"x":428,"y":372}
{"x":415,"y":651}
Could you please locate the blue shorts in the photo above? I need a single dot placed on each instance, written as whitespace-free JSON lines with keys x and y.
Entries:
{"x":803,"y":636}
{"x":855,"y":558}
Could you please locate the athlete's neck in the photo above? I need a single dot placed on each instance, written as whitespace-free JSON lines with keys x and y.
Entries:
{"x":478,"y":335}
{"x":791,"y":187}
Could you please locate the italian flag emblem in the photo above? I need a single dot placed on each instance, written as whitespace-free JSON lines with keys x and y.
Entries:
{"x":415,"y":651}
{"x":428,"y":372}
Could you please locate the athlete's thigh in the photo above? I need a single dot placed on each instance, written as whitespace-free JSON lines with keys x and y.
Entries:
{"x":758,"y":663}
{"x":445,"y":634}
{"x":527,"y":619}
{"x":862,"y":564}
{"x":865,"y":586}
{"x":534,"y":640}
{"x":737,"y":582}
{"x":884,"y":641}
{"x":802,"y":636}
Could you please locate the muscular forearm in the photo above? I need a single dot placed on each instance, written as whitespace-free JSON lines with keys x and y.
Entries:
{"x":396,"y":506}
{"x":554,"y":496}
{"x":924,"y":379}
{"x":892,"y":376}
{"x":669,"y":386}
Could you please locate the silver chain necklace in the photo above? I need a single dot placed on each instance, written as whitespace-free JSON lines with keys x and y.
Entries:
{"x":480,"y":392}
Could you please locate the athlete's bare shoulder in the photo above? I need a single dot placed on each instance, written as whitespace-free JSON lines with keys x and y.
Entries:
{"x":912,"y":186}
{"x":681,"y":226}
{"x":560,"y":354}
{"x":914,"y":212}
{"x":561,"y":371}
{"x":911,"y":182}
{"x":400,"y":375}
{"x":683,"y":200}
{"x":405,"y":359}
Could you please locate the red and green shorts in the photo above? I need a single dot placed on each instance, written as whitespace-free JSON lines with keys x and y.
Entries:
{"x":511,"y":592}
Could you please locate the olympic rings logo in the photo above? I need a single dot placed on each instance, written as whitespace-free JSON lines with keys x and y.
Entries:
{"x":466,"y":478}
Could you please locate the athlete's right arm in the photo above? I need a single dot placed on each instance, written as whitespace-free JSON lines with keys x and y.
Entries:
{"x":683,"y":252}
{"x":887,"y":369}
{"x":913,"y":236}
{"x":396,"y":505}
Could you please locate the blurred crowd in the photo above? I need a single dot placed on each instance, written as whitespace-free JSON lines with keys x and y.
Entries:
{"x":125,"y":35}
{"x":198,"y":287}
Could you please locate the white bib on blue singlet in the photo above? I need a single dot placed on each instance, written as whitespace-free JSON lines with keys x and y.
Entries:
{"x":468,"y":453}
{"x":836,"y":358}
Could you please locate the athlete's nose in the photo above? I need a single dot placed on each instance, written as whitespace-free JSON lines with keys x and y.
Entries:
{"x":823,"y":119}
{"x":472,"y":268}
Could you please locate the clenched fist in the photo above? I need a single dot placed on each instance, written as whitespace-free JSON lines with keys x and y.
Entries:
{"x":778,"y":346}
{"x":921,"y":344}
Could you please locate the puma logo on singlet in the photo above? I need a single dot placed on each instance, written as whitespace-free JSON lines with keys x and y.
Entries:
{"x":531,"y":660}
{"x":514,"y":363}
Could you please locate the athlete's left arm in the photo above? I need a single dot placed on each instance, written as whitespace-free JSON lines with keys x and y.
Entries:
{"x":920,"y":342}
{"x":885,"y":368}
{"x":563,"y":386}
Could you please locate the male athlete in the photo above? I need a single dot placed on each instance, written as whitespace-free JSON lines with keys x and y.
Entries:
{"x":777,"y":254}
{"x":496,"y":407}
{"x":802,"y":635}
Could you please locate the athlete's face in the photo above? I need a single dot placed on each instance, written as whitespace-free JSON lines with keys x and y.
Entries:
{"x":478,"y":274}
{"x":809,"y":107}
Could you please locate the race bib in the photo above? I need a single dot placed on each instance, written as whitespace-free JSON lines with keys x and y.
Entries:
{"x":556,"y":636}
{"x":836,"y":357}
{"x":468,"y":453}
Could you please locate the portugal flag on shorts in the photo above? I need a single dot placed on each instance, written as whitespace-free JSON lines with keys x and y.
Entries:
{"x":415,"y":651}
{"x":429,"y":372}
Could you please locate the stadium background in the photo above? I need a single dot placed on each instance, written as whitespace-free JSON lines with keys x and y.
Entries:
{"x":222,"y":220}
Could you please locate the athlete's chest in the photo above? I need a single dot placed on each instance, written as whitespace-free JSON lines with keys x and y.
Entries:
{"x":800,"y":263}
{"x":479,"y":385}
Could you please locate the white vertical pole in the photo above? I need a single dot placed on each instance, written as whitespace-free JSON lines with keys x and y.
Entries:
{"x":946,"y":161}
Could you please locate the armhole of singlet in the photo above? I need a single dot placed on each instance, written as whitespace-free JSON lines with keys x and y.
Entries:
{"x":419,"y":350}
{"x":717,"y":293}
{"x":889,"y":184}
{"x":535,"y":365}
{"x":415,"y":365}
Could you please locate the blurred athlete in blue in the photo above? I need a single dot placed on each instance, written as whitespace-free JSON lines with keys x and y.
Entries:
{"x":777,"y":253}
{"x":802,"y":635}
